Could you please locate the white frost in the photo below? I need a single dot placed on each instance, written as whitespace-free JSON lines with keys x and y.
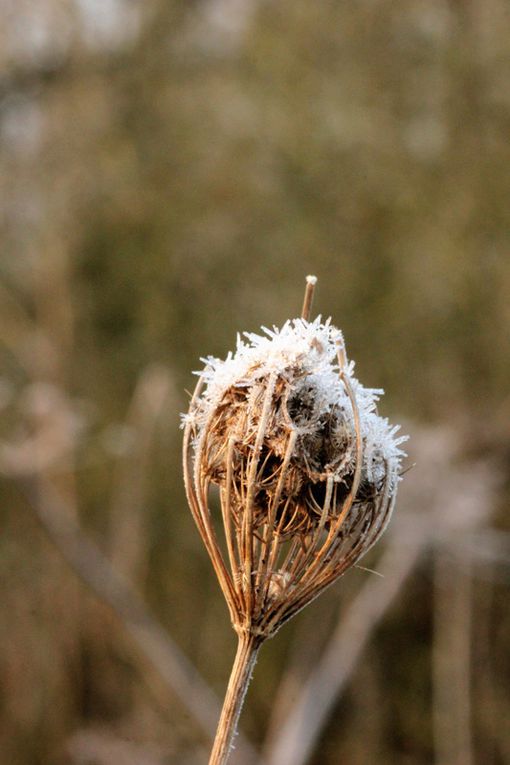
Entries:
{"x":312,"y":348}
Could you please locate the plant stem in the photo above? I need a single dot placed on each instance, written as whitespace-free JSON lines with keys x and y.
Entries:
{"x":311,"y":281}
{"x":240,"y":677}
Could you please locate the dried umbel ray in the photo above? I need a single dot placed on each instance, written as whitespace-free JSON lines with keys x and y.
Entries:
{"x":306,"y":472}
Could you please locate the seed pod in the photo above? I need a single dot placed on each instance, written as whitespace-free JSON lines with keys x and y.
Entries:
{"x":305,"y":470}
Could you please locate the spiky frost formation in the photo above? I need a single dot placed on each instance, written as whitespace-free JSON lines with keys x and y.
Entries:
{"x":307,"y":469}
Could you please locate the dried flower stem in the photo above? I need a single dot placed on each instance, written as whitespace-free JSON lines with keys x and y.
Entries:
{"x":307,"y":475}
{"x":240,"y":677}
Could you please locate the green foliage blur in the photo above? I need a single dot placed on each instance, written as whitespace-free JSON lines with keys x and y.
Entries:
{"x":169,"y":174}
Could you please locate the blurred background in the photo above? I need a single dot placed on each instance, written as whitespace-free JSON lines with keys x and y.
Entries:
{"x":169,"y":173}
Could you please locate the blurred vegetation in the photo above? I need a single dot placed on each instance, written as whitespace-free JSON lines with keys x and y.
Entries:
{"x":169,"y":172}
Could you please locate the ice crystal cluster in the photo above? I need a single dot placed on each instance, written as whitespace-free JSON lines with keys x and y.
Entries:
{"x":307,"y":470}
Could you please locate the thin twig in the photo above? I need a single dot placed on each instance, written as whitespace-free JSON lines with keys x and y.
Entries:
{"x":311,"y":281}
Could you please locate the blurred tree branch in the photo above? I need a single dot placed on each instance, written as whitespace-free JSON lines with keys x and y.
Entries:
{"x":293,"y":741}
{"x":128,"y":535}
{"x":151,"y":640}
{"x":451,"y":655}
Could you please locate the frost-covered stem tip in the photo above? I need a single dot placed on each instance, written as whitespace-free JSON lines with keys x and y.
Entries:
{"x":240,"y":677}
{"x":311,"y":281}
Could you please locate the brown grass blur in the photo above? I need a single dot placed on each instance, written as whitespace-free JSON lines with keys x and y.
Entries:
{"x":169,"y":173}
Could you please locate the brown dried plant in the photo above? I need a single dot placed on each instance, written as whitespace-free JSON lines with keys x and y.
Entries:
{"x":307,"y":474}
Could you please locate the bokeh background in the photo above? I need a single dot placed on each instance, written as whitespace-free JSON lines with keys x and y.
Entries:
{"x":169,"y":173}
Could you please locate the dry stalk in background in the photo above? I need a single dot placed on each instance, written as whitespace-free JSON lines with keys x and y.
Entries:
{"x":129,"y":546}
{"x":294,"y":737}
{"x":147,"y":634}
{"x":307,"y":474}
{"x":451,"y":658}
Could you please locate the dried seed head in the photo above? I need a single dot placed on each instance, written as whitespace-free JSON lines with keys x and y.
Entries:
{"x":307,"y":470}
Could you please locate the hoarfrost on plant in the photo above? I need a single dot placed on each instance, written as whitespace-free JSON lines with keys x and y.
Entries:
{"x":307,"y":353}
